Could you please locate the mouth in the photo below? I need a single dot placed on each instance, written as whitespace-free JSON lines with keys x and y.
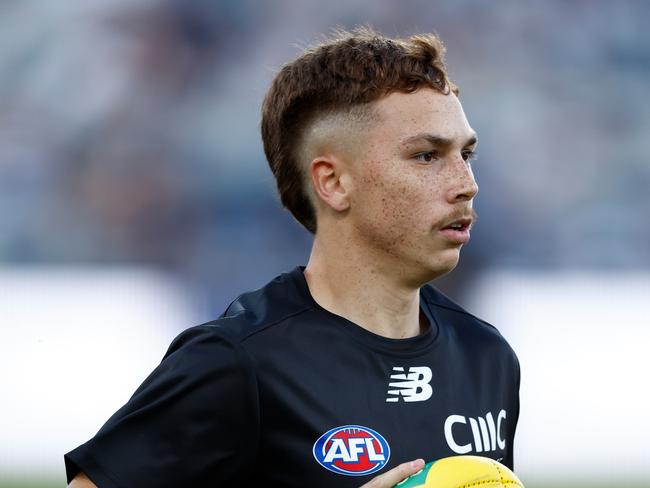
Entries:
{"x":458,"y":230}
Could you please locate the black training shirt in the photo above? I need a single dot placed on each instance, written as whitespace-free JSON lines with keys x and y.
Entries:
{"x":280,"y":392}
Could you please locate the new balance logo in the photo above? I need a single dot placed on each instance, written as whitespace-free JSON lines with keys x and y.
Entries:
{"x":410,"y":387}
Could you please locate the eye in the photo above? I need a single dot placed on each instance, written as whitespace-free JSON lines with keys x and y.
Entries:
{"x":469,"y":155}
{"x":427,"y":157}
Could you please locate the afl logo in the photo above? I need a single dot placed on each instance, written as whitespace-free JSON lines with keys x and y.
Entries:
{"x":352,"y":449}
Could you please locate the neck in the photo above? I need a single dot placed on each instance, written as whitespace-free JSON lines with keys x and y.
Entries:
{"x":349,"y":281}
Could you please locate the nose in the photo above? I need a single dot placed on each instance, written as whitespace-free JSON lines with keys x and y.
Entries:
{"x":462,"y":186}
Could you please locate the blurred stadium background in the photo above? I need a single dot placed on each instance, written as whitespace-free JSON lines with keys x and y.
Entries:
{"x":135,"y":201}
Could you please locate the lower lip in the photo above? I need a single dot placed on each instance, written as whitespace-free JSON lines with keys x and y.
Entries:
{"x":456,"y":236}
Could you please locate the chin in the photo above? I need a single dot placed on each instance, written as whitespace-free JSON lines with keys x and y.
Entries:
{"x":443,"y":265}
{"x":420,"y":270}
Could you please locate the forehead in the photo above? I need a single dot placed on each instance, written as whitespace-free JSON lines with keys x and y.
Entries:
{"x":401,"y":115}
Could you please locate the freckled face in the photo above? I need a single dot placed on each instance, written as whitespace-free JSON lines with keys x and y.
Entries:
{"x":411,"y":179}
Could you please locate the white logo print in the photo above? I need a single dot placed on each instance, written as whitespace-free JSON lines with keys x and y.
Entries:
{"x":411,"y":387}
{"x":485,"y":432}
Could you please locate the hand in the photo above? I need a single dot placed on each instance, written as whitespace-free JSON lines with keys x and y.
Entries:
{"x":395,"y":475}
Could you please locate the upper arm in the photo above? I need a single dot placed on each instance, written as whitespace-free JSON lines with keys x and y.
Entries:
{"x":194,"y":421}
{"x":81,"y":481}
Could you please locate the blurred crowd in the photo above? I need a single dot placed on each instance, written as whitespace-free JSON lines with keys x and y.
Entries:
{"x":129,"y":131}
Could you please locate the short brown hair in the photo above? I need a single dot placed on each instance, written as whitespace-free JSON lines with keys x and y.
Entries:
{"x":347,"y":71}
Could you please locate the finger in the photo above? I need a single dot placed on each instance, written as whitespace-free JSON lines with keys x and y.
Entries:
{"x":395,"y":475}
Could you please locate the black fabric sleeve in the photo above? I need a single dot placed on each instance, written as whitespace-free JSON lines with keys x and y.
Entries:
{"x":193,"y":422}
{"x":509,"y":460}
{"x":516,"y":411}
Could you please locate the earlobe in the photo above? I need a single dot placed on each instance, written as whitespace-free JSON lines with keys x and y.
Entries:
{"x":330,"y":183}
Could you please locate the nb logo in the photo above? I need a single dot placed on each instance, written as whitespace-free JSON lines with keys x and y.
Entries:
{"x":410,"y":387}
{"x":485,"y":432}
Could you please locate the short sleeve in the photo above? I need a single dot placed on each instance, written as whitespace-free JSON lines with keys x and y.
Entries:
{"x":515,"y":416}
{"x":193,"y":422}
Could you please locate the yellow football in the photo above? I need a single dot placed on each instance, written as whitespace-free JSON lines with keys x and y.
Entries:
{"x":463,"y":472}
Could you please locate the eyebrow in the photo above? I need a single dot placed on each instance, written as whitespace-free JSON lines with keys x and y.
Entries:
{"x":438,"y":140}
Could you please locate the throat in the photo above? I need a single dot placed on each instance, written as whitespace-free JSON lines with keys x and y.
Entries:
{"x":368,"y":299}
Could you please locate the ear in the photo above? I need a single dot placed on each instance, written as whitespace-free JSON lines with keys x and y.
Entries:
{"x":331,"y":182}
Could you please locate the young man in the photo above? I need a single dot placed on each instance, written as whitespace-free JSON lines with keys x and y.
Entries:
{"x":351,"y":370}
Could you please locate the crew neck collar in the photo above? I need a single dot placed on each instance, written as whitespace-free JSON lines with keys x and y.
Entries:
{"x":409,"y":346}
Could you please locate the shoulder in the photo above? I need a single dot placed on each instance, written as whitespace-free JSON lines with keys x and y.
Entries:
{"x":442,"y":303}
{"x":464,"y":325}
{"x":255,"y":311}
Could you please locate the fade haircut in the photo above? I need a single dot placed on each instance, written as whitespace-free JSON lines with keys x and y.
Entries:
{"x":340,"y":76}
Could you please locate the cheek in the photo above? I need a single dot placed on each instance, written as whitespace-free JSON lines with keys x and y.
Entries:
{"x":400,"y":200}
